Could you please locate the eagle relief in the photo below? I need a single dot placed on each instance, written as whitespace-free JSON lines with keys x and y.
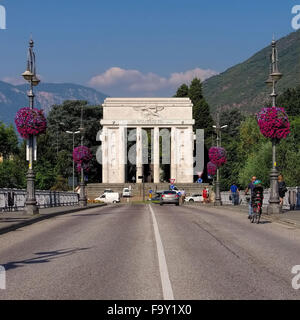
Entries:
{"x":150,"y":112}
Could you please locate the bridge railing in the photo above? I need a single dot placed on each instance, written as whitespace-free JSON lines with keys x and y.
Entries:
{"x":45,"y":199}
{"x":225,"y":197}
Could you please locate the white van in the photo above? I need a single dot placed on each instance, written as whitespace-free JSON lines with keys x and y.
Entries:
{"x":126,"y":192}
{"x":112,"y":197}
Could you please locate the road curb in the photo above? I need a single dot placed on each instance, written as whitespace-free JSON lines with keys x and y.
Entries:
{"x":268,"y":217}
{"x":46,"y":216}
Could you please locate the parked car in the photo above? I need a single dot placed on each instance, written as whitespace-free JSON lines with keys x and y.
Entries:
{"x":110,"y":197}
{"x":169,"y":197}
{"x":181,"y":192}
{"x":108,"y":191}
{"x":126,"y":193}
{"x":194,"y":198}
{"x":156,"y":196}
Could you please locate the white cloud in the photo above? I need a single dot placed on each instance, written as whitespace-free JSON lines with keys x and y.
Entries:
{"x":126,"y":82}
{"x":18,"y":80}
{"x":14,"y":81}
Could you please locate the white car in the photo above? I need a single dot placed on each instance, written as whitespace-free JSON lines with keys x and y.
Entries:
{"x":194,"y":198}
{"x":126,"y":192}
{"x":111,"y":197}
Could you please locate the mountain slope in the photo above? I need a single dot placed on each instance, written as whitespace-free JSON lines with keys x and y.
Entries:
{"x":243,"y":86}
{"x":12,"y":98}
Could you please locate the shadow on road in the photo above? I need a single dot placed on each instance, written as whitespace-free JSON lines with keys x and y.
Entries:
{"x":43,"y":257}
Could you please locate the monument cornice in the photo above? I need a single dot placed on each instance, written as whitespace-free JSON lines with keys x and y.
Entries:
{"x":147,"y":122}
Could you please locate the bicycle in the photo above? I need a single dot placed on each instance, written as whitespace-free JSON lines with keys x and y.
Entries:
{"x":255,"y":218}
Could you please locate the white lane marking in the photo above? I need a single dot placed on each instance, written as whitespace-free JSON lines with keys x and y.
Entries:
{"x":163,"y":268}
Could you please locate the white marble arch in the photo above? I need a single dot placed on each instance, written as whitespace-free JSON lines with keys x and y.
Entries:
{"x":144,"y":113}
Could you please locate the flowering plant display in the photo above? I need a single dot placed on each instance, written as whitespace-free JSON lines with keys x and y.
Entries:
{"x":211,"y":169}
{"x":30,"y":122}
{"x":217,"y":156}
{"x":82,"y":156}
{"x":273,"y":123}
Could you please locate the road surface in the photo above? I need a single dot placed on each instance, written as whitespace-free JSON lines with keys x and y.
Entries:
{"x":150,"y":253}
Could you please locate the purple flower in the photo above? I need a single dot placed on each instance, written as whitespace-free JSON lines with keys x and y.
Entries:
{"x":211,"y":169}
{"x":30,"y":122}
{"x":82,"y":156}
{"x":273,"y":123}
{"x":217,"y":156}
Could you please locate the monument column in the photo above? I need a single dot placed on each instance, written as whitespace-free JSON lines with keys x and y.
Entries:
{"x":156,"y":155}
{"x":105,"y":142}
{"x":174,"y":154}
{"x":122,"y":154}
{"x":139,"y":154}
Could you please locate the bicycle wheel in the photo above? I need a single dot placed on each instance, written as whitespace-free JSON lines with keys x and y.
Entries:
{"x":253,"y":218}
{"x":258,"y":217}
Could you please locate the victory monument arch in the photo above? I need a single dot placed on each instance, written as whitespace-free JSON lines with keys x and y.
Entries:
{"x":147,"y":117}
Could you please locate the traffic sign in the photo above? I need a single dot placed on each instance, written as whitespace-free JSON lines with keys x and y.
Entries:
{"x":199,"y":180}
{"x":172,"y":181}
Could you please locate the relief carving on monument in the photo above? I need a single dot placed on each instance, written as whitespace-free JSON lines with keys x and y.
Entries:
{"x":150,"y":112}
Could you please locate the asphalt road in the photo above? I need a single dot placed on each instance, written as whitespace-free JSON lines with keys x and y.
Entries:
{"x":138,"y":252}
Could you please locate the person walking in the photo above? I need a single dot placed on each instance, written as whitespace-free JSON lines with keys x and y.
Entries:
{"x":282,"y":189}
{"x":250,"y":187}
{"x":10,"y":200}
{"x":234,"y":194}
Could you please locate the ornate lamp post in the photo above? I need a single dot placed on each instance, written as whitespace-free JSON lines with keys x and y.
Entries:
{"x":218,"y":128}
{"x":82,"y":196}
{"x":274,"y":76}
{"x":73,"y":133}
{"x":30,"y":76}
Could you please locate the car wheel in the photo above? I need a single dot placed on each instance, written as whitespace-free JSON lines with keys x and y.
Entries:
{"x":191,"y":200}
{"x":115,"y":201}
{"x":161,"y":204}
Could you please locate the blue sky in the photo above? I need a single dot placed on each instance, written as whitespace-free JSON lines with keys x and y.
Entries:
{"x":137,"y":47}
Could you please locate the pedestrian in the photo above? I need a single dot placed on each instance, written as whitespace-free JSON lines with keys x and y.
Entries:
{"x":292,"y":199}
{"x":250,"y":187}
{"x":282,"y":189}
{"x":234,"y":194}
{"x":205,"y":195}
{"x":10,"y":200}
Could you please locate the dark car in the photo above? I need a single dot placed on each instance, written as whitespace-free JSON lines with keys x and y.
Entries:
{"x":169,"y":197}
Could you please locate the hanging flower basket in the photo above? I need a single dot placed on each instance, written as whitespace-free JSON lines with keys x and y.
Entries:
{"x":82,"y":156}
{"x":30,"y":122}
{"x":211,"y":169}
{"x":273,"y":123}
{"x":217,"y":155}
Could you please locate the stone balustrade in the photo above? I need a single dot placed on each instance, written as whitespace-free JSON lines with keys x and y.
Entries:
{"x":226,"y":200}
{"x":45,"y":199}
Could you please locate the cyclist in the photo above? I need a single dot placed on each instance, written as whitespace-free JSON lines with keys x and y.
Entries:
{"x":257,"y":195}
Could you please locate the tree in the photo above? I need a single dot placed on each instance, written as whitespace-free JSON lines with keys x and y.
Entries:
{"x":290,"y":100}
{"x":182,"y":92}
{"x":8,"y":141}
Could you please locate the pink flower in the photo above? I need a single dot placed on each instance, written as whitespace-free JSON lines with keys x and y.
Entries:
{"x":273,"y":123}
{"x":30,"y":122}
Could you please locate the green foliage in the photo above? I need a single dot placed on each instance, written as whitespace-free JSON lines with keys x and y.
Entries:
{"x":257,"y":164}
{"x":12,"y":174}
{"x":60,"y":184}
{"x":290,"y":100}
{"x":8,"y":141}
{"x":182,"y":92}
{"x":201,"y":110}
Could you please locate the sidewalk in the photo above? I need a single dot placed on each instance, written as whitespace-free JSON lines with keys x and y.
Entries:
{"x":10,"y":221}
{"x":287,"y":217}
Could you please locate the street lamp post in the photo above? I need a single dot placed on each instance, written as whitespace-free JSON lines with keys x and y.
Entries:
{"x":29,"y":75}
{"x":218,"y":128}
{"x":73,"y":133}
{"x":82,"y":196}
{"x":274,"y":77}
